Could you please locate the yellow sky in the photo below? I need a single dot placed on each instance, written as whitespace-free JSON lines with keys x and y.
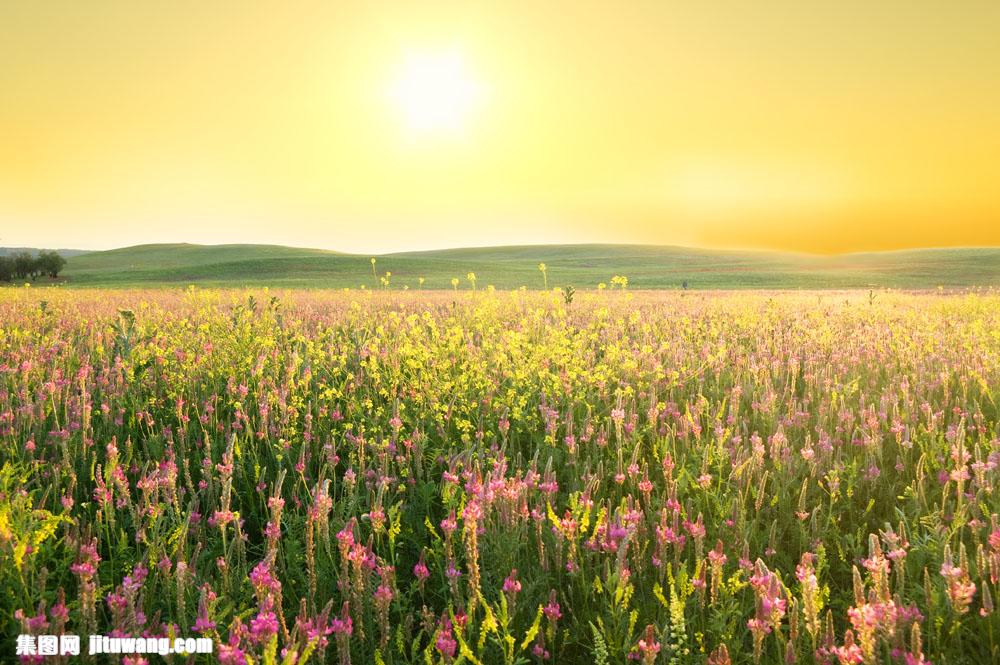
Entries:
{"x":773,"y":124}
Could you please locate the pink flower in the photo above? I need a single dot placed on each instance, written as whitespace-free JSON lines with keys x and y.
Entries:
{"x":383,"y":594}
{"x":994,"y":539}
{"x":552,"y":609}
{"x":511,"y":585}
{"x":203,"y":624}
{"x":449,"y":524}
{"x":850,"y":653}
{"x":345,"y":537}
{"x":451,"y":572}
{"x":263,"y":580}
{"x":540,"y":651}
{"x":717,"y":556}
{"x":342,"y":625}
{"x":231,"y":655}
{"x":420,"y":570}
{"x":696,"y":529}
{"x":263,"y":626}
{"x":472,"y":512}
{"x":648,"y":646}
{"x":758,"y":626}
{"x":445,"y":642}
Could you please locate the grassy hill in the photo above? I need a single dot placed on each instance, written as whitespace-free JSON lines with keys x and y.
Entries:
{"x":583,"y":266}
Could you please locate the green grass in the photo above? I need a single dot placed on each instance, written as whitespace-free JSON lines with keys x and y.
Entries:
{"x":582,"y":266}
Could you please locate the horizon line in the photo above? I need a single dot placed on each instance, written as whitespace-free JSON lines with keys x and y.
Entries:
{"x":702,"y":248}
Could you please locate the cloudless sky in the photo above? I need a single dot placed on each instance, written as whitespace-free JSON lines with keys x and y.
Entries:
{"x":822,"y":127}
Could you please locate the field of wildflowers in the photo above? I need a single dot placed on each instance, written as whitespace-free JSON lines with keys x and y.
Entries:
{"x":497,"y":477}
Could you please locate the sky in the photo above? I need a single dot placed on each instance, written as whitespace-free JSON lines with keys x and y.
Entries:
{"x":396,"y":125}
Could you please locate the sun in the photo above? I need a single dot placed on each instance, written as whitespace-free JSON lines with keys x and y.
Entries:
{"x":435,"y":92}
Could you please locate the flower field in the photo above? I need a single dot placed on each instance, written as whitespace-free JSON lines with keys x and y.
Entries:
{"x":504,"y":477}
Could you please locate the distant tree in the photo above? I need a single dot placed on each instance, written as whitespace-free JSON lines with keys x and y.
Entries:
{"x":24,"y":265}
{"x":50,"y":263}
{"x":6,"y":269}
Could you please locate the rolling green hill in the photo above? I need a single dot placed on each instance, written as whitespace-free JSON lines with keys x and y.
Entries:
{"x":583,"y":266}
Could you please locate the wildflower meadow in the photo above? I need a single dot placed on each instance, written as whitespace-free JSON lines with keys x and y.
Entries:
{"x":481,"y":476}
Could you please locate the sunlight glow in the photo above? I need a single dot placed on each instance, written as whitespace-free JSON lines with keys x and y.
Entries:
{"x":435,"y":92}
